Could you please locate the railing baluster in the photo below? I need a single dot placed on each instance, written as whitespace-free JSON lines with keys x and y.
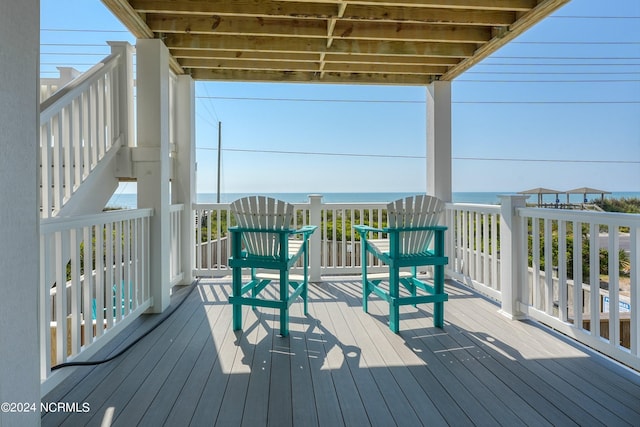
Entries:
{"x":119,"y":266}
{"x":562,"y":271}
{"x":548,"y":267}
{"x":578,"y":307}
{"x":99,"y":280}
{"x":75,"y":237}
{"x":87,"y":288}
{"x":594,"y":278}
{"x":126,"y":296}
{"x":614,"y":286}
{"x":61,"y":300}
{"x":109,"y":264}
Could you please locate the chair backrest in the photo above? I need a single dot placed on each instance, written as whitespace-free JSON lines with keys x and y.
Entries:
{"x":414,"y":211}
{"x":263,"y":213}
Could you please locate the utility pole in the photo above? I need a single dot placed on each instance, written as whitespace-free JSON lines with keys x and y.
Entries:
{"x":219,"y":157}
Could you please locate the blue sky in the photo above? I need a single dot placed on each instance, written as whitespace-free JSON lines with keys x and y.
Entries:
{"x":559,"y":107}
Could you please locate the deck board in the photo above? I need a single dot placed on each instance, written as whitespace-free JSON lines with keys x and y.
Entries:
{"x":341,"y":366}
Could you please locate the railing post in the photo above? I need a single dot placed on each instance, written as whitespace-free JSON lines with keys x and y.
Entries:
{"x":315,"y":218}
{"x":513,"y":260}
{"x":124,"y":104}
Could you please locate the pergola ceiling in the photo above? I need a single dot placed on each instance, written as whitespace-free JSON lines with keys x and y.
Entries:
{"x":407,"y":42}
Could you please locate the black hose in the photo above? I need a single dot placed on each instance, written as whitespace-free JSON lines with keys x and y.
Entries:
{"x":121,"y":352}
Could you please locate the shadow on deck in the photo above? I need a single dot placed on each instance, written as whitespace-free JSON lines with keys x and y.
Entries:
{"x":340,"y":366}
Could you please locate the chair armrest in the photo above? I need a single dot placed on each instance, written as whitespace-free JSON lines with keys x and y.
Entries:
{"x":425,"y":228}
{"x":307,"y":230}
{"x":364,"y":229}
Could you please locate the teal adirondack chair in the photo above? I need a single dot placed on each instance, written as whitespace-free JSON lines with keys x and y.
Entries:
{"x":264,"y":240}
{"x":412,"y":228}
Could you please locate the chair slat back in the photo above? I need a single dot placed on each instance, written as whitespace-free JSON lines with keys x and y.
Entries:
{"x":263,"y":213}
{"x":414,"y":211}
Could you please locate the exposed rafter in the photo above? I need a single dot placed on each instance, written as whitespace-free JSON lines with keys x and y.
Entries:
{"x":350,"y":41}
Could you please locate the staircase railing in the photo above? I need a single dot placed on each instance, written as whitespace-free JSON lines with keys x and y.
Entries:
{"x":79,"y":125}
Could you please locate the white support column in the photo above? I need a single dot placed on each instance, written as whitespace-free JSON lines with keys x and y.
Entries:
{"x":439,"y":140}
{"x":184,"y":184}
{"x":513,"y":261}
{"x":315,"y":242}
{"x":19,"y":209}
{"x":151,"y":157}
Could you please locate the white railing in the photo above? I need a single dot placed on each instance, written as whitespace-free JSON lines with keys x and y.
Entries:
{"x":212,"y":250}
{"x":340,"y":244}
{"x":94,"y":278}
{"x":79,"y":125}
{"x":473,"y":246}
{"x":601,"y":252}
{"x":175,"y":252}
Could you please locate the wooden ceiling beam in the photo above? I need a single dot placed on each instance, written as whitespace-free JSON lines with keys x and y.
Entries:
{"x":237,"y":25}
{"x":371,"y":47}
{"x":237,"y":7}
{"x":433,"y":16}
{"x":307,"y":77}
{"x":283,"y":44}
{"x":515,"y":5}
{"x":442,"y":13}
{"x":246,"y":55}
{"x":248,"y":65}
{"x":411,"y":32}
{"x":391,"y":59}
{"x":316,"y":28}
{"x":342,"y":67}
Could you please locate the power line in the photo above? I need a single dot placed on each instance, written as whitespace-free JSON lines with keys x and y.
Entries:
{"x":78,"y":30}
{"x":563,"y":57}
{"x":576,"y":42}
{"x":215,"y":113}
{"x":590,"y":17}
{"x":74,"y":53}
{"x":206,"y":120}
{"x":420,"y":157}
{"x":73,"y":44}
{"x":545,"y":102}
{"x":421,"y":102}
{"x":313,"y":153}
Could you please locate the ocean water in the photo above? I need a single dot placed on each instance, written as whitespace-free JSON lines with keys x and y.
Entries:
{"x":128,"y":201}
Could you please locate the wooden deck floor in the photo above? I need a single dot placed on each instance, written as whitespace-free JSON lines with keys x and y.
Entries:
{"x":340,"y":366}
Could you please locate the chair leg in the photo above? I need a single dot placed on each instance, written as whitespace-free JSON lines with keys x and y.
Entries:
{"x":365,"y":287}
{"x":414,"y":291}
{"x":237,"y":308}
{"x":394,"y":293}
{"x":305,"y":294}
{"x":438,"y":285}
{"x":284,"y":299}
{"x":305,"y":280}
